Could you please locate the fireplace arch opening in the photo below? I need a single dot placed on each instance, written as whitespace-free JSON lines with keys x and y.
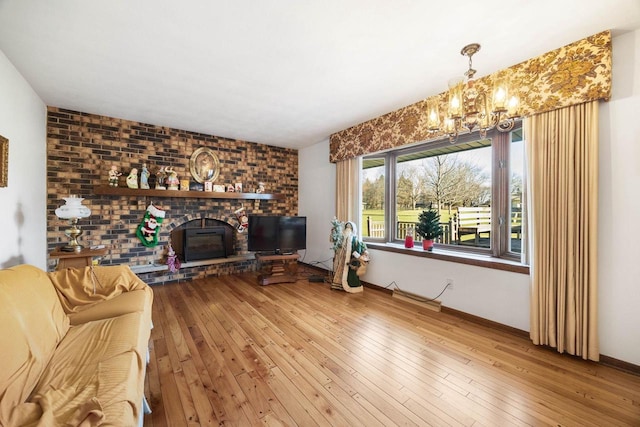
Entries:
{"x":203,"y":238}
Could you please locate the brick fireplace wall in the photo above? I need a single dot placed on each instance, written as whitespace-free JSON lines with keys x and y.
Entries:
{"x":81,"y":147}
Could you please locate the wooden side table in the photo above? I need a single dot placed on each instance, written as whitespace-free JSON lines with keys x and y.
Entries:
{"x":81,"y":259}
{"x":277,"y":268}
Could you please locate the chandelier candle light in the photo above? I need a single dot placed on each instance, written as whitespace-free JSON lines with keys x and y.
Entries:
{"x":73,"y":210}
{"x":469,"y":108}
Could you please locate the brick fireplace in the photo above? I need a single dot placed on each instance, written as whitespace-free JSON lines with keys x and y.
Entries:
{"x":81,"y":147}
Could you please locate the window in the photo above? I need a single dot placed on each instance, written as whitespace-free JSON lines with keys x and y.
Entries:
{"x":516,"y":192}
{"x":374,"y":196}
{"x":476,"y":185}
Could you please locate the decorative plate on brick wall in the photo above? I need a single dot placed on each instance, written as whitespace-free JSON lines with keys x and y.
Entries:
{"x":204,"y":165}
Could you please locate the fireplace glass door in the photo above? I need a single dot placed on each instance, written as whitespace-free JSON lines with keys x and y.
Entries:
{"x":204,"y":243}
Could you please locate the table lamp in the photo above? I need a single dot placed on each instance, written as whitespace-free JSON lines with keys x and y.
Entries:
{"x":73,"y":210}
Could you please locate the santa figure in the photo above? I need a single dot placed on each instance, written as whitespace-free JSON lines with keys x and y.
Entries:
{"x":149,"y":228}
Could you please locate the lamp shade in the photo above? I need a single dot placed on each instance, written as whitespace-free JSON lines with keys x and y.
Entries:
{"x":73,"y":208}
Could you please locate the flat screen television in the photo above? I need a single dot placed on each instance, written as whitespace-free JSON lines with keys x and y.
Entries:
{"x":277,"y":234}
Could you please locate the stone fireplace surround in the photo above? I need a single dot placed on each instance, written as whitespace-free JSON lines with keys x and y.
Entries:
{"x":80,"y":149}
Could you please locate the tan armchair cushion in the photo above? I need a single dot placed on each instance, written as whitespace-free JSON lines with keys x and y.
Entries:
{"x":81,"y":288}
{"x":33,"y":323}
{"x":96,"y":376}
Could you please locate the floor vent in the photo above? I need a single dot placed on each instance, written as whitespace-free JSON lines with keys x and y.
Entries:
{"x":432,"y":305}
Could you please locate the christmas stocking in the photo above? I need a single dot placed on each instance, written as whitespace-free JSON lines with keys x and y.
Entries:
{"x":243,"y":220}
{"x":149,"y":229}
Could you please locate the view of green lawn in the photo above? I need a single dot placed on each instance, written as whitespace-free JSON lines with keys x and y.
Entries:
{"x":409,"y":215}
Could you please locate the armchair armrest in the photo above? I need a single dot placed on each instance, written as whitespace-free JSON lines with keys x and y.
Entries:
{"x":81,"y":288}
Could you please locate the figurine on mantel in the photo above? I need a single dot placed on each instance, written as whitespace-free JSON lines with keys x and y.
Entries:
{"x":113,"y":176}
{"x":160,"y":176}
{"x":132,"y":179}
{"x":144,"y":177}
{"x":173,"y":183}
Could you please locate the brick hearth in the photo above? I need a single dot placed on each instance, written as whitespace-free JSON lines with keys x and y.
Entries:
{"x":82,"y":147}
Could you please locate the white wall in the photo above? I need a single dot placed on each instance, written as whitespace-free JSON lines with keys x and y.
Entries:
{"x":316,"y":201}
{"x":23,"y":202}
{"x":502,"y":296}
{"x":619,"y":207}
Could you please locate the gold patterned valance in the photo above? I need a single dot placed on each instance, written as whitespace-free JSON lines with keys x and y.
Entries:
{"x":571,"y":75}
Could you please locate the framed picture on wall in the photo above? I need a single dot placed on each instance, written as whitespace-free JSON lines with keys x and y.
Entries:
{"x":4,"y":161}
{"x":204,"y":165}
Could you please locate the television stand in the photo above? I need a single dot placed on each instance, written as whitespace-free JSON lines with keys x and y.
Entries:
{"x":277,"y":268}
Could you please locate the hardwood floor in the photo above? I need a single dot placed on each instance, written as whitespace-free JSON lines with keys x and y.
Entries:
{"x":225,"y":351}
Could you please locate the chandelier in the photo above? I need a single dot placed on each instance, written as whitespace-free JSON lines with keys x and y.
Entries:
{"x":469,"y":108}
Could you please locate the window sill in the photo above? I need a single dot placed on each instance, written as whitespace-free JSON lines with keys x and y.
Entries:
{"x":454,"y":256}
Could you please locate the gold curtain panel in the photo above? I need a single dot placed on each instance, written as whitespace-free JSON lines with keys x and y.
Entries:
{"x":571,"y":75}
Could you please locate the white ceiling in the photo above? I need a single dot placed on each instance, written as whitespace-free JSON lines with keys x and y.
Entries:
{"x":279,"y":72}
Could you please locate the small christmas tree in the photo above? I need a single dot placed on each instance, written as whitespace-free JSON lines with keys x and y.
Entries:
{"x":428,"y":226}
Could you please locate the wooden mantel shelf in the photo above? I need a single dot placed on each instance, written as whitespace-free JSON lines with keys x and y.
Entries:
{"x":106,"y":190}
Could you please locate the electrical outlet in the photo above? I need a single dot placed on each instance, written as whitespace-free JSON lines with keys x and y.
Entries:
{"x":450,"y":283}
